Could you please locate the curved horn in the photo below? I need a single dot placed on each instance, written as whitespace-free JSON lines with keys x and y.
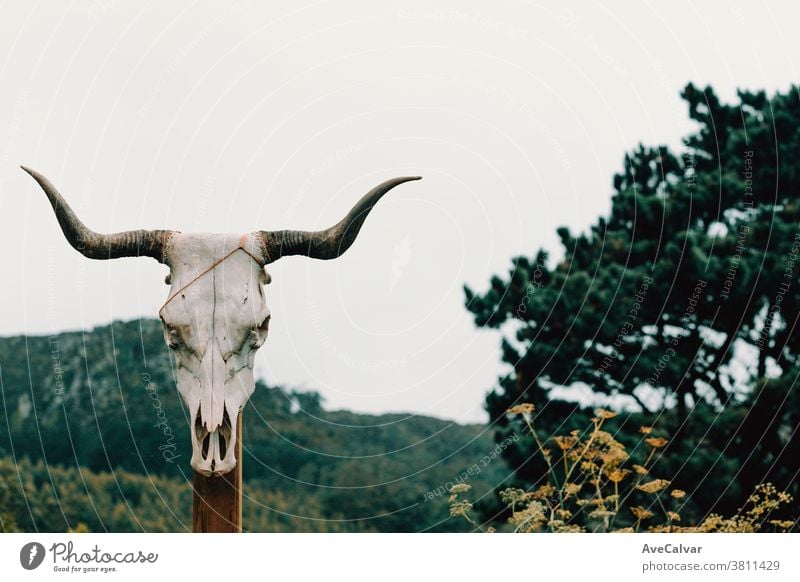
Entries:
{"x":331,"y":242}
{"x":131,"y":243}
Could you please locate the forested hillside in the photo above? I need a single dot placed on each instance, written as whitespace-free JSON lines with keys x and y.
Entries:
{"x":95,"y":434}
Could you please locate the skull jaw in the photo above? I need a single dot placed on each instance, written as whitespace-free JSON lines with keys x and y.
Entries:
{"x":211,"y":467}
{"x":218,"y":471}
{"x":214,"y":451}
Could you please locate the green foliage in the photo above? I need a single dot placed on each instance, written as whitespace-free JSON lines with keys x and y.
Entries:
{"x":681,"y":303}
{"x":52,"y":498}
{"x":102,"y":439}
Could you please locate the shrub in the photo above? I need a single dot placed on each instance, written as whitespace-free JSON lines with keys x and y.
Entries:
{"x":593,"y":484}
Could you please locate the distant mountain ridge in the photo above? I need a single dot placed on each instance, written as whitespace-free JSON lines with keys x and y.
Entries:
{"x":105,"y":400}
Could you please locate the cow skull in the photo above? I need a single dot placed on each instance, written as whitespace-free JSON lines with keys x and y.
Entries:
{"x":215,"y":316}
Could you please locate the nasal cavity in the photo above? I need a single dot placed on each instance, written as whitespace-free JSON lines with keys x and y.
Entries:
{"x":224,"y":433}
{"x":221,"y":437}
{"x":202,"y":435}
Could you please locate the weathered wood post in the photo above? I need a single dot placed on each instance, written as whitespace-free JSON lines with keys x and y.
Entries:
{"x":217,"y":501}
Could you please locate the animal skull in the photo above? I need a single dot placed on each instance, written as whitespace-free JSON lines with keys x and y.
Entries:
{"x":215,"y":316}
{"x":214,"y":324}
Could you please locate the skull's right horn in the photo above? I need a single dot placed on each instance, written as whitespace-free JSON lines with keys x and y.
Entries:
{"x":331,"y":242}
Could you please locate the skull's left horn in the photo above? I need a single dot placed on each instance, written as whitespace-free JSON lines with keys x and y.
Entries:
{"x":331,"y":242}
{"x":131,"y":243}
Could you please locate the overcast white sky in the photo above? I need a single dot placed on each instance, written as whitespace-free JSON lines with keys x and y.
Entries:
{"x":231,"y":117}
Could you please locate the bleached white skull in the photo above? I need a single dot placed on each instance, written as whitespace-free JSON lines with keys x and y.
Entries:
{"x":215,"y":316}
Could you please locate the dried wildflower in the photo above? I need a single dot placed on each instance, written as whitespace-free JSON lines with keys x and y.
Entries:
{"x":460,"y":488}
{"x":653,"y":486}
{"x":524,"y":408}
{"x":656,"y":442}
{"x":624,"y":530}
{"x":597,"y":461}
{"x":641,"y":513}
{"x":602,"y":437}
{"x":546,"y":491}
{"x":511,"y":496}
{"x":601,"y":513}
{"x":529,"y":519}
{"x":617,"y":475}
{"x":614,"y":457}
{"x":604,"y":414}
{"x":460,"y":509}
{"x":565,"y":443}
{"x":711,"y":523}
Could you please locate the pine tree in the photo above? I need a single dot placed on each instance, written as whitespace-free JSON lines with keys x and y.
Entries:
{"x":687,"y":291}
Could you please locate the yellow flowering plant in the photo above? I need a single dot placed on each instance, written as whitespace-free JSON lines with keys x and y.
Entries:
{"x":591,"y":485}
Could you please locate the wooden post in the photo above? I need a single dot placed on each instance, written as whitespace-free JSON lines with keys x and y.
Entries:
{"x":217,"y":503}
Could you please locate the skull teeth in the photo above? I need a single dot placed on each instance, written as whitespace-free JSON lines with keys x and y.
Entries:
{"x":214,"y":443}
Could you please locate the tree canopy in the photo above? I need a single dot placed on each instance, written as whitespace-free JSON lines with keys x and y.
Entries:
{"x":683,"y":300}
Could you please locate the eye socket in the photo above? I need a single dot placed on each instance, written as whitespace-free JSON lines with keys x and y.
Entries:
{"x":259,"y":332}
{"x":172,"y":336}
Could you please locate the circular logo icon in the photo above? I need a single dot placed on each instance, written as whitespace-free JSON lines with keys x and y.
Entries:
{"x":31,"y":555}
